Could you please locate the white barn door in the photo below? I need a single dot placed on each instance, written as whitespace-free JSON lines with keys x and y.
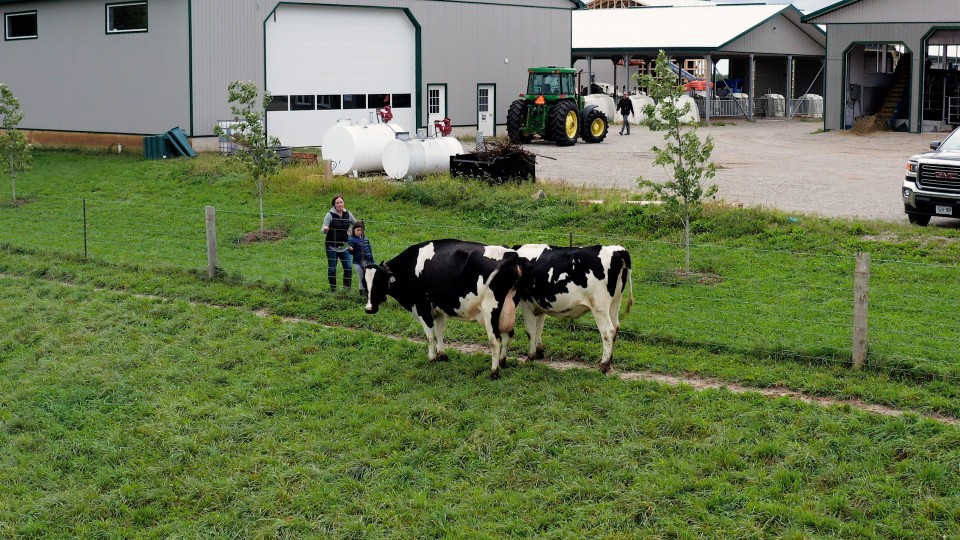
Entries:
{"x":486,"y":97}
{"x":330,"y":63}
{"x":436,"y":104}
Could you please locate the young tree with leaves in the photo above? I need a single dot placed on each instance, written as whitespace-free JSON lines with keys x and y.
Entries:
{"x":15,"y":151}
{"x":685,"y":157}
{"x":256,"y":151}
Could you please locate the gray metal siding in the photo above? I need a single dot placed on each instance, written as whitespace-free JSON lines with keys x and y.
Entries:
{"x":841,"y":37}
{"x":75,"y":77}
{"x":462,"y":44}
{"x":778,"y":35}
{"x":894,"y":11}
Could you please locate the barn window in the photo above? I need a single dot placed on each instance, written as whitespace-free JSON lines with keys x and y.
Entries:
{"x":21,"y":25}
{"x":354,"y":101}
{"x":402,"y":101}
{"x":378,"y":100}
{"x":303,"y":103}
{"x":328,"y":102}
{"x":278,"y":103}
{"x":126,"y":17}
{"x":433,"y":101}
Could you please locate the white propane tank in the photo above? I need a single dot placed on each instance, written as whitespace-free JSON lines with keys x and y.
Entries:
{"x":604,"y":104}
{"x":639,"y":102}
{"x":357,"y":148}
{"x":415,"y":157}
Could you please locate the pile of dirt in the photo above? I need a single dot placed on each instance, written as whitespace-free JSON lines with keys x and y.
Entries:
{"x":869,"y":124}
{"x":266,"y":235}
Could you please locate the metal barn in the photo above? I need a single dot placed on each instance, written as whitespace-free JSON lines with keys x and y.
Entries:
{"x":102,"y":73}
{"x":894,"y":59}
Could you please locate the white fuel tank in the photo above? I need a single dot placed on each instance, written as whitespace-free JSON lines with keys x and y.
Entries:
{"x":416,"y":157}
{"x":357,"y":148}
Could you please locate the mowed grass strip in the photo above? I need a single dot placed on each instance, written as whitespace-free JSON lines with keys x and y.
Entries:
{"x":134,"y":417}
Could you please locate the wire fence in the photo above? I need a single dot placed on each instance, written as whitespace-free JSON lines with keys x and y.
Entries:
{"x":745,"y":301}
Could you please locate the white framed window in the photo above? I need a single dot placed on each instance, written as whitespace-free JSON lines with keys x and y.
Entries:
{"x":433,"y":101}
{"x":20,"y":25}
{"x":127,"y":17}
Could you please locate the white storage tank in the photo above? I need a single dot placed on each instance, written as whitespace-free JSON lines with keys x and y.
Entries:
{"x":639,"y":102}
{"x":693,"y":114}
{"x":357,"y":148}
{"x":416,"y":157}
{"x":604,"y":103}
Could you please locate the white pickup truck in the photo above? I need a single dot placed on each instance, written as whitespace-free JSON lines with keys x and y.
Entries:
{"x":932,"y":184}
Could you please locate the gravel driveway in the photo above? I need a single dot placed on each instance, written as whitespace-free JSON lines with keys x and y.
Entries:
{"x":784,"y":164}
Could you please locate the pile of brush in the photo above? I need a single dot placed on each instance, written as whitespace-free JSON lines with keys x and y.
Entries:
{"x":498,"y":163}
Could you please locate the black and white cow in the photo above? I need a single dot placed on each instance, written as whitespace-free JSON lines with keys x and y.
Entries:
{"x":452,"y":278}
{"x":568,"y":282}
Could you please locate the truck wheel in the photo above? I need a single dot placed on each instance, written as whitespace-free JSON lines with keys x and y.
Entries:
{"x":595,"y":127}
{"x":516,"y":117}
{"x":918,"y":219}
{"x":564,"y":123}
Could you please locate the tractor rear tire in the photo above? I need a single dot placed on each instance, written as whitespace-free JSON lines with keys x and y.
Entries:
{"x":595,"y":127}
{"x":564,"y":123}
{"x":515,"y":120}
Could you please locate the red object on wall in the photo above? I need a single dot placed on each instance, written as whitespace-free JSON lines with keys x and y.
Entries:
{"x":385,"y":114}
{"x":443,"y":127}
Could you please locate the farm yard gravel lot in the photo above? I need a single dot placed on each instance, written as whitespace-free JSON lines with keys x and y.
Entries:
{"x":783,"y":164}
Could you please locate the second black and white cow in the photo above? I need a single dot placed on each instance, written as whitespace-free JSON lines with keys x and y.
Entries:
{"x":452,"y":278}
{"x":568,"y":282}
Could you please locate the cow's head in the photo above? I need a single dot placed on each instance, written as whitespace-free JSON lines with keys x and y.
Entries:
{"x":378,"y":279}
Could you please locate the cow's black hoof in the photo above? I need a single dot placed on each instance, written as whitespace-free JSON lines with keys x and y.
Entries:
{"x":503,"y":362}
{"x":605,"y":368}
{"x":442,"y":357}
{"x":539,"y":354}
{"x":495,"y":374}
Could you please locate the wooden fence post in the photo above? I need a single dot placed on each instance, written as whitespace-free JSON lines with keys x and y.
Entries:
{"x":861,"y":290}
{"x":327,"y":170}
{"x":212,"y":262}
{"x":84,"y":228}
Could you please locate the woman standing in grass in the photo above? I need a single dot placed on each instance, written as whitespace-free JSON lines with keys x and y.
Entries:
{"x":336,"y":225}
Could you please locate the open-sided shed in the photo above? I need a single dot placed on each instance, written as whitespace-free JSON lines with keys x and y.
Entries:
{"x":767,"y":48}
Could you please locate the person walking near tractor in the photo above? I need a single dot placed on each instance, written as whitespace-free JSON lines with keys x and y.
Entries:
{"x":625,"y":108}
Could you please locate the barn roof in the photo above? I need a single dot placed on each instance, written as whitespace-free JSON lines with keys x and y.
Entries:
{"x":692,"y":28}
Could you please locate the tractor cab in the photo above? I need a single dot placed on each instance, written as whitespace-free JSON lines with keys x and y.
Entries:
{"x":551,"y":84}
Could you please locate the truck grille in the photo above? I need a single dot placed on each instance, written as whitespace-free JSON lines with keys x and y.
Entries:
{"x":937,"y":177}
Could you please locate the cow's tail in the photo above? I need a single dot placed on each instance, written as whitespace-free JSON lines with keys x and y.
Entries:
{"x":503,"y":283}
{"x":628,"y":277}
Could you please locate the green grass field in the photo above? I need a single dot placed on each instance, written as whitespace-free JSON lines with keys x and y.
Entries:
{"x":131,"y":406}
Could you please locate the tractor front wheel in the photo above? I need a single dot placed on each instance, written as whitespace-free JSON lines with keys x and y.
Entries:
{"x":516,"y":117}
{"x":595,"y":127}
{"x":564,"y":123}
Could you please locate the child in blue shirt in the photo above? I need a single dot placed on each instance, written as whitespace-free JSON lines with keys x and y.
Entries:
{"x":361,"y":252}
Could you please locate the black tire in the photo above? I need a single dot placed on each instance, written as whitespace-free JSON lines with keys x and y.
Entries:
{"x":564,"y":123}
{"x":918,"y":219}
{"x":515,"y":120}
{"x":595,"y":127}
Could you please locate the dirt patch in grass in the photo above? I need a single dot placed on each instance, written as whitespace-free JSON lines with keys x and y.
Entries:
{"x":16,"y":204}
{"x":266,"y":235}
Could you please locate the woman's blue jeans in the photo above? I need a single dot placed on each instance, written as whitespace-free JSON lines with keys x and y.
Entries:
{"x":346,"y":262}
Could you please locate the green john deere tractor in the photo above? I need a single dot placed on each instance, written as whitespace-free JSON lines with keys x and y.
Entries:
{"x":554,"y":109}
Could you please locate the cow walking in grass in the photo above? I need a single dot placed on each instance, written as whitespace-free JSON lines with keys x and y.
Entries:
{"x":452,"y":278}
{"x":569,"y":282}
